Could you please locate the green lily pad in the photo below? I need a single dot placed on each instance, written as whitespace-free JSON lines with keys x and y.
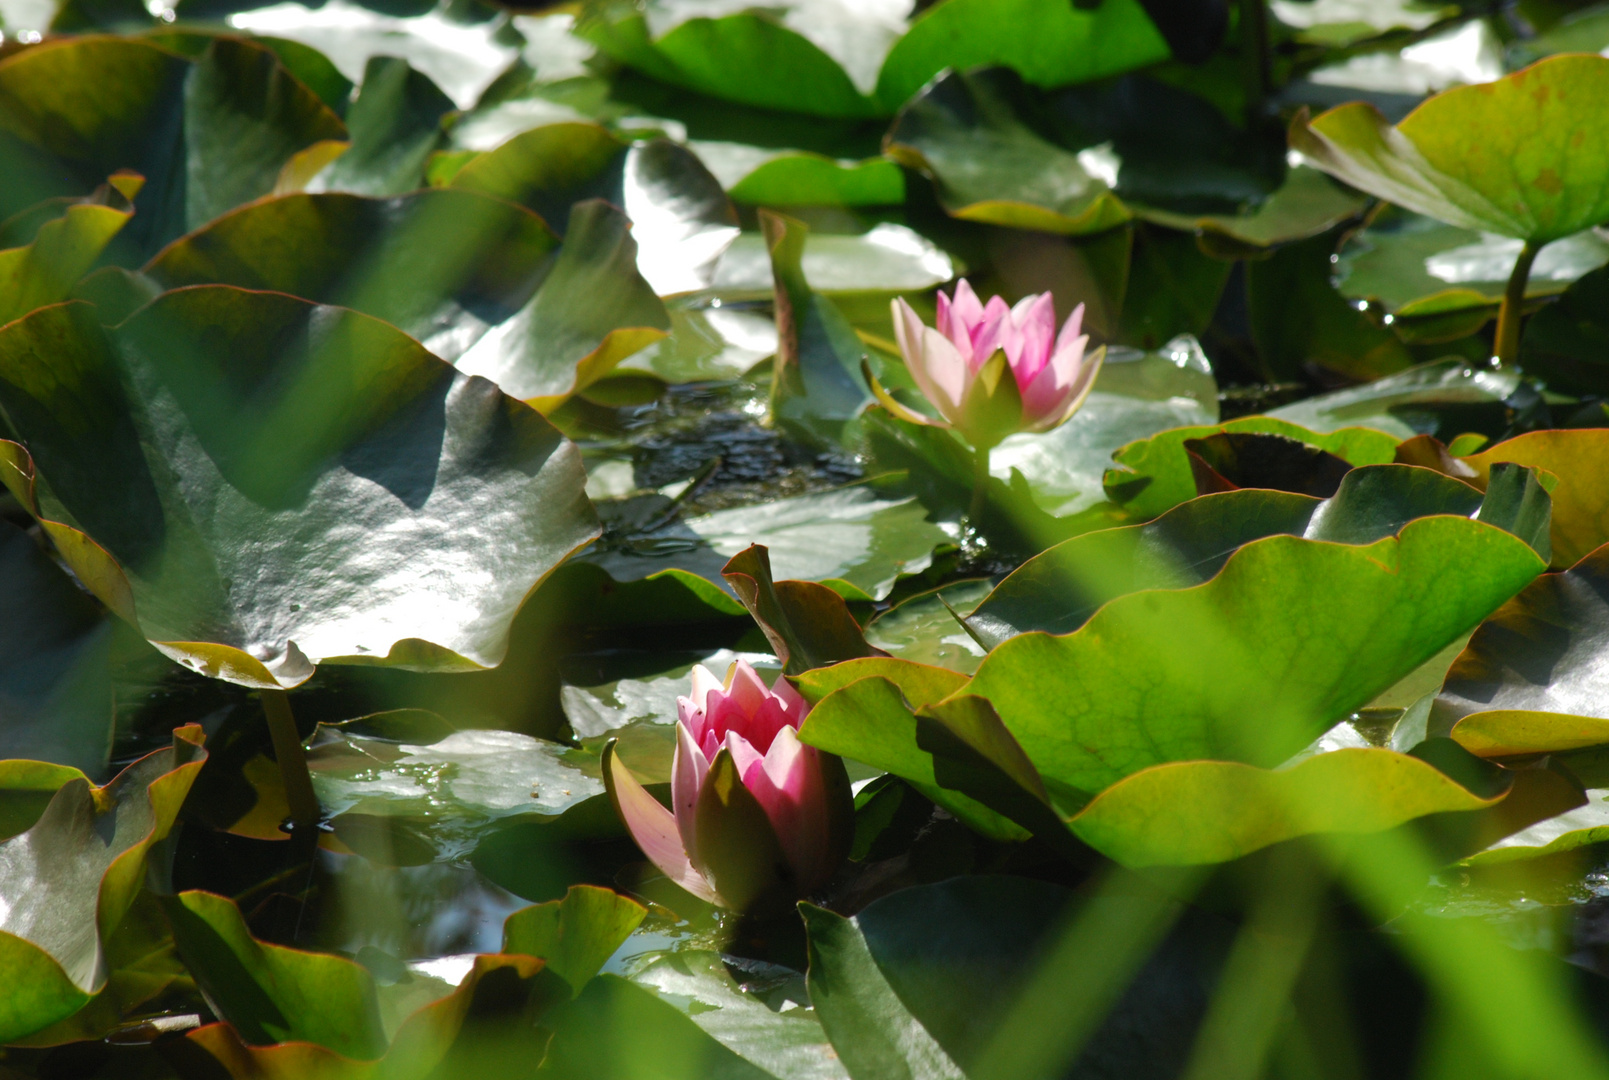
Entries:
{"x":592,"y":310}
{"x":60,"y":253}
{"x":71,"y":878}
{"x":461,"y":56}
{"x":1578,"y":458}
{"x":133,"y":105}
{"x":683,"y":220}
{"x":1415,"y":267}
{"x":1567,"y":341}
{"x":452,"y":788}
{"x":763,"y":177}
{"x":885,"y":259}
{"x":749,"y":57}
{"x":1407,"y":404}
{"x":270,"y":993}
{"x":1046,"y":42}
{"x":575,"y":936}
{"x":1153,"y":474}
{"x":1058,"y":590}
{"x":441,"y":266}
{"x":1584,"y":30}
{"x":1529,"y":679}
{"x":1134,"y":147}
{"x":1345,"y":22}
{"x":55,"y":681}
{"x":850,"y":534}
{"x":396,"y":121}
{"x":419,"y":447}
{"x":619,"y":1029}
{"x":788,"y":1045}
{"x":923,"y":629}
{"x":1287,"y":639}
{"x":1500,"y":157}
{"x":1218,"y":811}
{"x":1578,"y":828}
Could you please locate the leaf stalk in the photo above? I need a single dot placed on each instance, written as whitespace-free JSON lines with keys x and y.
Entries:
{"x":1506,"y":349}
{"x":293,"y":772}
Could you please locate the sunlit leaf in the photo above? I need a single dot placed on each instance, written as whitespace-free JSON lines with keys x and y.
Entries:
{"x":1502,"y":157}
{"x":1578,"y":458}
{"x":71,"y":878}
{"x":1288,"y":638}
{"x":575,"y":936}
{"x":682,"y":219}
{"x":284,"y":414}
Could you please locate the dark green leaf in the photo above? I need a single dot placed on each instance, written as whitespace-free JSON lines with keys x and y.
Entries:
{"x":396,"y":124}
{"x":1229,"y":460}
{"x":439,"y":265}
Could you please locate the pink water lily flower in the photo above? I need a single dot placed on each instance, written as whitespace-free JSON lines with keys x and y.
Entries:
{"x":760,"y":818}
{"x":1051,"y":375}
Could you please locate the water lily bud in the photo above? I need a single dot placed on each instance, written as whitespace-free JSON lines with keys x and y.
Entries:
{"x":760,"y":818}
{"x":952,"y":365}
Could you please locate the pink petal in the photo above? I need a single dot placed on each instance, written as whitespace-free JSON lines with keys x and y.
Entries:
{"x":1069,"y":395}
{"x":654,"y":829}
{"x":704,"y":680}
{"x":944,"y":319}
{"x":965,"y":311}
{"x":687,"y":772}
{"x":907,"y":332}
{"x":744,"y":755}
{"x":1034,"y":318}
{"x":746,"y":693}
{"x":1071,"y":329}
{"x":942,"y":375}
{"x":788,"y":784}
{"x":791,"y":699}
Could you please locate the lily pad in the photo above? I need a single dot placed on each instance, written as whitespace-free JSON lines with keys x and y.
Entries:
{"x":1405,"y":405}
{"x":592,"y":310}
{"x":1577,"y":457}
{"x":851,"y":534}
{"x":461,"y":57}
{"x":1500,"y":157}
{"x":1046,"y":42}
{"x":61,"y":252}
{"x":1211,"y":659}
{"x":70,"y":879}
{"x":789,"y":1045}
{"x":1221,"y":810}
{"x":241,"y":398}
{"x":682,"y":219}
{"x":1058,"y":590}
{"x":195,"y":130}
{"x":575,"y":936}
{"x":800,"y":178}
{"x":1153,"y":475}
{"x":1566,"y":342}
{"x":55,"y":678}
{"x":396,"y":122}
{"x":887,"y":258}
{"x":1416,"y":268}
{"x":1530,"y":680}
{"x":442,"y":266}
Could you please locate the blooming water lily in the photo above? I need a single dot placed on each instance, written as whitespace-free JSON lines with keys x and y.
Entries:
{"x":962,"y":368}
{"x":760,"y":818}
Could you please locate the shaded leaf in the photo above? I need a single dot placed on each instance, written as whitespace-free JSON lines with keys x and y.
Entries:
{"x":55,"y":678}
{"x":1228,"y":461}
{"x":788,"y":1045}
{"x":443,"y":266}
{"x":285,"y":414}
{"x":1567,"y":341}
{"x":270,"y":993}
{"x":1154,"y":474}
{"x":396,"y":123}
{"x":1423,"y":400}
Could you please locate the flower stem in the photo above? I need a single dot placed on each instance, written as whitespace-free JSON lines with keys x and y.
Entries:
{"x":292,"y":762}
{"x":1507,"y":346}
{"x":980,"y":487}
